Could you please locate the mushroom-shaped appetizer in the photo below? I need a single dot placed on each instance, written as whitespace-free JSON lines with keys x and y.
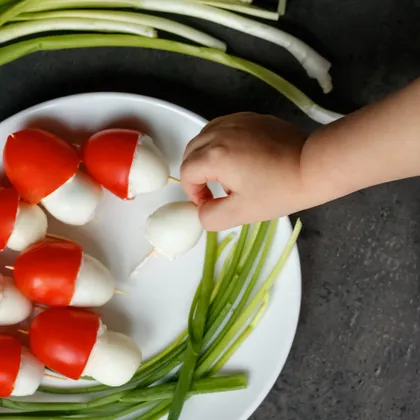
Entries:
{"x":14,"y":306}
{"x":174,"y":228}
{"x":59,"y":273}
{"x":44,"y":168}
{"x":20,"y":372}
{"x":21,"y":224}
{"x":75,"y":343}
{"x":125,"y":162}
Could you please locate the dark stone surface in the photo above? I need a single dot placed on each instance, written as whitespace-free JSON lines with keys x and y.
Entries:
{"x":356,"y":354}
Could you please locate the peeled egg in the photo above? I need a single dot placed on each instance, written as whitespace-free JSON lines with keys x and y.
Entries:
{"x":75,"y":343}
{"x":14,"y":306}
{"x":76,"y":201}
{"x":125,"y":162}
{"x":20,"y":372}
{"x":94,"y":285}
{"x":114,"y":359}
{"x":30,"y":226}
{"x":31,"y":373}
{"x":149,"y":171}
{"x":174,"y":229}
{"x":59,"y":273}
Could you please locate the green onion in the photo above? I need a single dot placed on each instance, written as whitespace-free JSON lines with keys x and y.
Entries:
{"x":18,"y":30}
{"x":200,"y":386}
{"x":250,"y":287}
{"x":282,"y":7}
{"x":156,"y":22}
{"x":241,"y":8}
{"x":228,"y":334}
{"x":196,"y":329}
{"x":315,"y":65}
{"x":61,"y":42}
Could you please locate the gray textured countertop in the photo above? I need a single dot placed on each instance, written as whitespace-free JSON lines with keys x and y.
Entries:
{"x":356,"y":354}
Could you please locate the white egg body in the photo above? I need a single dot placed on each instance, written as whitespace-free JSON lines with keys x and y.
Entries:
{"x":76,"y":201}
{"x":31,"y":373}
{"x":30,"y":226}
{"x":174,"y":228}
{"x":14,"y":306}
{"x":94,"y":284}
{"x":114,"y":359}
{"x":149,"y":170}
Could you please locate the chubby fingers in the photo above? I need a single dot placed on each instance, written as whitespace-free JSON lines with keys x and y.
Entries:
{"x":197,"y":170}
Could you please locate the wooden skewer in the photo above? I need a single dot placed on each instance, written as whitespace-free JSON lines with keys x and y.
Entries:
{"x":120,"y":292}
{"x":9,"y":267}
{"x":174,"y":180}
{"x":23,"y":332}
{"x":152,"y":254}
{"x":58,"y":237}
{"x":61,"y":378}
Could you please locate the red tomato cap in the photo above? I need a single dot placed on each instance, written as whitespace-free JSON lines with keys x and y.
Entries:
{"x":38,"y":162}
{"x":108,"y":156}
{"x":46,"y":272}
{"x":63,"y":338}
{"x":9,"y":203}
{"x":10,"y":355}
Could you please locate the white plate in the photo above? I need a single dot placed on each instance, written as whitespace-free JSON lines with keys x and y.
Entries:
{"x":156,"y":308}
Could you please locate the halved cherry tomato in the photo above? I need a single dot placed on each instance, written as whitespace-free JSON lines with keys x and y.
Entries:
{"x":9,"y":203}
{"x":108,"y":156}
{"x":10,"y":355}
{"x":46,"y":272}
{"x":38,"y":162}
{"x":63,"y":338}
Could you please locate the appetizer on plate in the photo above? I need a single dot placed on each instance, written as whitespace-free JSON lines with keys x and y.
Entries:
{"x":45,"y":169}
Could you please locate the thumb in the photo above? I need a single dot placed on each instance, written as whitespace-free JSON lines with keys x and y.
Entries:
{"x":221,"y":213}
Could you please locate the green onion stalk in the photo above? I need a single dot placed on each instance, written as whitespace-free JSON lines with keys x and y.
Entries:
{"x":62,"y":42}
{"x":315,"y":65}
{"x":44,"y":21}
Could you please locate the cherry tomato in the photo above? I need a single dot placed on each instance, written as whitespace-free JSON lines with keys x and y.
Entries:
{"x":63,"y":338}
{"x":10,"y":355}
{"x":46,"y":272}
{"x":108,"y":156}
{"x":37,"y":163}
{"x":9,"y":203}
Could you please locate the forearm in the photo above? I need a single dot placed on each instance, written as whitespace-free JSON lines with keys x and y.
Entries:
{"x":377,"y":144}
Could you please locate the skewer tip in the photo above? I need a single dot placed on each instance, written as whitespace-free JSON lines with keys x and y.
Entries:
{"x":174,"y":180}
{"x":120,"y":292}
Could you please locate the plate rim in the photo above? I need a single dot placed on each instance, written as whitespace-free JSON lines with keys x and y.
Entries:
{"x":278,"y":368}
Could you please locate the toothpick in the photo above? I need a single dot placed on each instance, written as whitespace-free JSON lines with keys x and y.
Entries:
{"x":58,"y":237}
{"x":9,"y":267}
{"x":23,"y":332}
{"x":152,"y":254}
{"x":120,"y":292}
{"x":61,"y":378}
{"x":174,"y":180}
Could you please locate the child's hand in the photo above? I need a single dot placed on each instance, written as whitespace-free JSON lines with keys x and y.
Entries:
{"x":256,"y":159}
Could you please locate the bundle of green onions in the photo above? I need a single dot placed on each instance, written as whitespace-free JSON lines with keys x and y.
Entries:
{"x":223,"y":315}
{"x":118,"y":23}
